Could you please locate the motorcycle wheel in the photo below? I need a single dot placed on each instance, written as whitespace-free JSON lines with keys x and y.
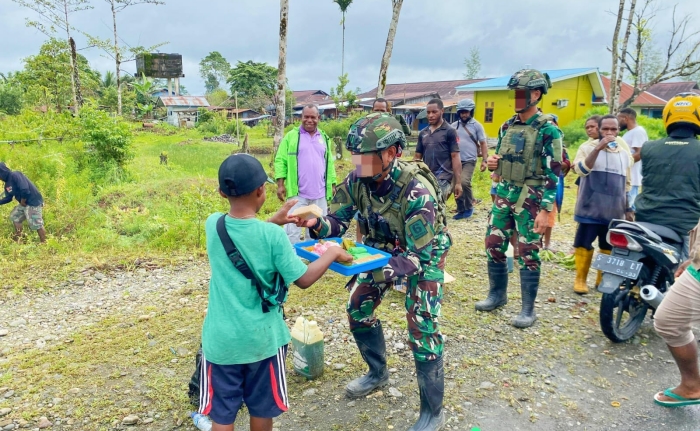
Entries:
{"x":621,"y":314}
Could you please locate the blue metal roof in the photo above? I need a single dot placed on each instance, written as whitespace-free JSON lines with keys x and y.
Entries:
{"x":501,"y":82}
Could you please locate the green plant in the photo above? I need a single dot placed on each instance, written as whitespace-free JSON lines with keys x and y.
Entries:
{"x":107,"y":141}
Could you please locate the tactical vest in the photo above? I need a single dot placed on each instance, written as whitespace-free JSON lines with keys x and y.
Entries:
{"x":670,"y":184}
{"x":386,"y":220}
{"x":520,"y":151}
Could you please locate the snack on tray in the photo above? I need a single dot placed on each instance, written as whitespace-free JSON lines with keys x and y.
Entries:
{"x":308,"y":212}
{"x":360,"y":255}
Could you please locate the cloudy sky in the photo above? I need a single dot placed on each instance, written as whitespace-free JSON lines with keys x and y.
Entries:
{"x":432,"y":40}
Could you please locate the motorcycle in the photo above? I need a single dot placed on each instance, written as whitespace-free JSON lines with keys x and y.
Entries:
{"x":637,"y":273}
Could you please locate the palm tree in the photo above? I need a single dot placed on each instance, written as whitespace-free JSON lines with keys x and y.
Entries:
{"x":381,"y":85}
{"x":343,"y":5}
{"x":109,"y":80}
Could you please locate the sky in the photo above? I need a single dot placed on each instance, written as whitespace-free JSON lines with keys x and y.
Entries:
{"x":432,"y":40}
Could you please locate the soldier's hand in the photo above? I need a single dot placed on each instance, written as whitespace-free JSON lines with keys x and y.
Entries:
{"x":281,"y":192}
{"x":541,"y":222}
{"x":492,"y":162}
{"x":307,"y":223}
{"x":458,"y":190}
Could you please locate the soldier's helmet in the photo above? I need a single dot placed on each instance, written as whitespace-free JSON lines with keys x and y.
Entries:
{"x":530,"y":79}
{"x":683,"y":110}
{"x":375,"y":132}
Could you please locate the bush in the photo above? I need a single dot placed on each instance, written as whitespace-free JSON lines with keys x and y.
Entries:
{"x":216,"y":123}
{"x":107,"y":143}
{"x":10,"y":98}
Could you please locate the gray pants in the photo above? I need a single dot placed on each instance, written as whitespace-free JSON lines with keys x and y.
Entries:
{"x":294,"y":232}
{"x":464,"y":202}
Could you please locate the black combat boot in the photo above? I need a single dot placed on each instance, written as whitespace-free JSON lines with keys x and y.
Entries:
{"x":373,"y":350}
{"x":431,"y":384}
{"x":498,"y":287}
{"x":529,"y":282}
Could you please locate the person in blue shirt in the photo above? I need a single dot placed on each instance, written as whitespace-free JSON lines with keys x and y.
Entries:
{"x":30,"y":202}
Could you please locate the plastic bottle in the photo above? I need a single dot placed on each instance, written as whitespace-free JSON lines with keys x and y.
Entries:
{"x":202,"y":422}
{"x":509,"y":257}
{"x":307,"y":340}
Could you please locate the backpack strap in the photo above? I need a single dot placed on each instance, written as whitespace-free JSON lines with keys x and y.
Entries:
{"x":237,"y":259}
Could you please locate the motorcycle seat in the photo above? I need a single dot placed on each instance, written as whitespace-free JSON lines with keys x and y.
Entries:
{"x":663,"y":232}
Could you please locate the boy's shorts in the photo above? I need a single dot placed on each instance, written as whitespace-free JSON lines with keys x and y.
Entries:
{"x":261,"y":385}
{"x":33,"y":215}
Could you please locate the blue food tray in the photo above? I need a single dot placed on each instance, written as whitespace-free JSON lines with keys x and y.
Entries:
{"x":343,"y":269}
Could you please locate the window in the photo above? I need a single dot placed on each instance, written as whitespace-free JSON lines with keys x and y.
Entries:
{"x":488,"y":115}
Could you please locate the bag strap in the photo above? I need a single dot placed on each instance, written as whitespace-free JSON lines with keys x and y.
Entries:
{"x":237,"y":259}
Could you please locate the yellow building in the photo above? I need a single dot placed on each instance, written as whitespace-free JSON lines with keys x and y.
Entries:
{"x":573,"y":92}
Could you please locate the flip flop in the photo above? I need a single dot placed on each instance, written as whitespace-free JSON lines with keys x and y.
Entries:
{"x":680,"y":403}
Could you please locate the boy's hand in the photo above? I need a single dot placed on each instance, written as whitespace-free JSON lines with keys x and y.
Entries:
{"x":282,"y":217}
{"x":341,"y":255}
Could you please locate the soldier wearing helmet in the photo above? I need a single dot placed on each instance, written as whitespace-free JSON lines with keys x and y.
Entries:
{"x":528,"y":161}
{"x":671,"y":170}
{"x":402,"y":212}
{"x":472,"y":145}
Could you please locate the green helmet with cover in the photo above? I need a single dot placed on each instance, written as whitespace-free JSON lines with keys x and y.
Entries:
{"x":530,"y":79}
{"x":375,"y":132}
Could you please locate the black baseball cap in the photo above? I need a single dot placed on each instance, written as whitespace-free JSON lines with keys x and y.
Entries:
{"x":241,"y":174}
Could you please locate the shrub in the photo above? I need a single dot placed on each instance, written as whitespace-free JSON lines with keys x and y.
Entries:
{"x":107,"y":143}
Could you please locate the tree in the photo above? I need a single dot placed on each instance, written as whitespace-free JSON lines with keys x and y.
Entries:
{"x":344,"y":100}
{"x":343,"y":5}
{"x":254,"y":83}
{"x":111,"y":47}
{"x":281,"y":91}
{"x":384,"y":67}
{"x":647,"y":65}
{"x":618,"y":56}
{"x":145,"y":102}
{"x":53,"y":16}
{"x":10,"y":94}
{"x":47,"y":75}
{"x":473,"y":63}
{"x":214,"y":69}
{"x":109,"y":80}
{"x":218,"y":97}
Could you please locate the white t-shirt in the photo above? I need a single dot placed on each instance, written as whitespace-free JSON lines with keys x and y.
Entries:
{"x":635,"y":138}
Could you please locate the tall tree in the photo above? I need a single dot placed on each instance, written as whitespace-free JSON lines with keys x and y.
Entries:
{"x":54,"y":16}
{"x":255,"y":84}
{"x":473,"y":63}
{"x":280,"y":94}
{"x":649,"y":67}
{"x":343,"y":5}
{"x":619,"y":57}
{"x":214,"y":70}
{"x":384,"y":67}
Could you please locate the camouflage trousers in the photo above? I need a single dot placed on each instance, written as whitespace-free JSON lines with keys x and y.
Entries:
{"x":505,"y":216}
{"x":423,"y":303}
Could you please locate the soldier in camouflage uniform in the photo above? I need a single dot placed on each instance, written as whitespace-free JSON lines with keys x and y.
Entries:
{"x":528,"y":160}
{"x":401,"y":212}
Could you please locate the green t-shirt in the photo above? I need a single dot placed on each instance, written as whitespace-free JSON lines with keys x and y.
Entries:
{"x":235,"y":330}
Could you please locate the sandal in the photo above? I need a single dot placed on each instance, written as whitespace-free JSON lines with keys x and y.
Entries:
{"x":681,"y":402}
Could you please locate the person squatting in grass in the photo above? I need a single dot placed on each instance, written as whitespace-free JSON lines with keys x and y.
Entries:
{"x":244,"y":346}
{"x":30,"y":205}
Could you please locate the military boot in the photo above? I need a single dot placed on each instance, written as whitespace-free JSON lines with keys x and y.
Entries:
{"x":431,"y":385}
{"x":599,"y":278}
{"x":583,"y":259}
{"x":373,"y":350}
{"x":529,"y":282}
{"x":498,"y":287}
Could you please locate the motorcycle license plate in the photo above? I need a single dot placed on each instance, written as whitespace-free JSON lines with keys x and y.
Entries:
{"x":618,"y":266}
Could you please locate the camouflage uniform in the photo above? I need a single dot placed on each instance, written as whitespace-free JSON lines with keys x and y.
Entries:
{"x":420,"y":260}
{"x":506,"y":214}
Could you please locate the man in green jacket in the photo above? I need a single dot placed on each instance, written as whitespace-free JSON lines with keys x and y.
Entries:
{"x":305,"y":167}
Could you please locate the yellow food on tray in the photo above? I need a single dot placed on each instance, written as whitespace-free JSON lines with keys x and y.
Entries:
{"x":308,"y":212}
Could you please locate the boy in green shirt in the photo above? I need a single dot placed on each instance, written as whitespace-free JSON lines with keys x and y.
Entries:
{"x":243,"y":346}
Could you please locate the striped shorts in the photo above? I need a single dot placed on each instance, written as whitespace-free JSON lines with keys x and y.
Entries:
{"x":261,"y":385}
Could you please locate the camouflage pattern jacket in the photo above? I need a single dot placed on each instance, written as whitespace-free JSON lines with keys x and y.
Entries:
{"x":424,"y":247}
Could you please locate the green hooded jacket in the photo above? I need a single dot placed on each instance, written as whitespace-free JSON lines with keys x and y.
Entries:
{"x":287,"y":166}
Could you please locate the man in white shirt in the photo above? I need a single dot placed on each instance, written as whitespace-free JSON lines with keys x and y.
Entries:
{"x":635,"y":137}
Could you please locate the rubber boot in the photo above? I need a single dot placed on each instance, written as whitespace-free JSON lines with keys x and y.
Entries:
{"x":373,"y":350}
{"x":431,"y":384}
{"x":599,"y":278}
{"x":529,"y":282}
{"x":583,"y":259}
{"x":498,"y":287}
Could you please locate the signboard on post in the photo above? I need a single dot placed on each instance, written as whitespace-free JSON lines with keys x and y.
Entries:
{"x":157,"y":65}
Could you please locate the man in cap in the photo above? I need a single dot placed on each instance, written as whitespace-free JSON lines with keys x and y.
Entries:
{"x":30,"y":202}
{"x":528,"y":161}
{"x":472,"y":144}
{"x":401,"y":213}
